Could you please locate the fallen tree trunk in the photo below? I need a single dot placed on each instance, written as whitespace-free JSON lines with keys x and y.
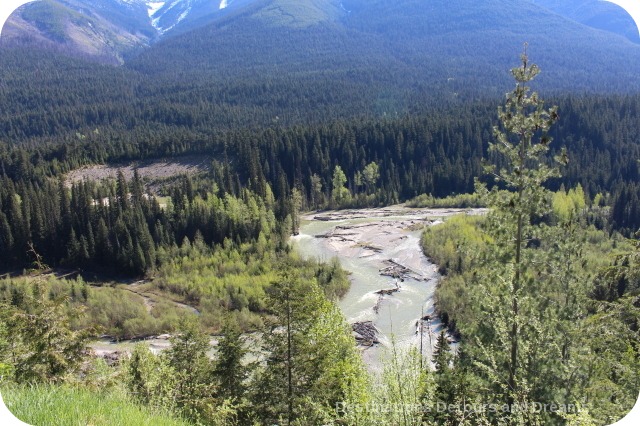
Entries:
{"x":365,"y":333}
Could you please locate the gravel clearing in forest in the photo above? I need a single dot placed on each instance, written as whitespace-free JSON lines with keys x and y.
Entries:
{"x":149,"y":169}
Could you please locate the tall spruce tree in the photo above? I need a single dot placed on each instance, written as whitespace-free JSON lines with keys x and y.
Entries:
{"x":509,"y":343}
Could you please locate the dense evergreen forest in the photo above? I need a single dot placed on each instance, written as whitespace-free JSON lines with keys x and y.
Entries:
{"x":439,"y":152}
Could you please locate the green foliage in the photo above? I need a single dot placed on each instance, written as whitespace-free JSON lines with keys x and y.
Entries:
{"x":188,"y":350}
{"x":185,"y":381}
{"x":229,"y":370}
{"x":449,"y":144}
{"x":122,"y":314}
{"x":568,"y":205}
{"x":194,"y":390}
{"x":401,"y":390}
{"x":442,"y":355}
{"x":625,"y":208}
{"x":311,"y":361}
{"x":117,"y":226}
{"x":370,"y":175}
{"x":575,"y":258}
{"x":40,"y":345}
{"x":450,"y":246}
{"x":526,"y":278}
{"x":510,"y":297}
{"x":150,"y":379}
{"x":613,"y":382}
{"x":339,"y":193}
{"x":234,"y":279}
{"x":452,"y":201}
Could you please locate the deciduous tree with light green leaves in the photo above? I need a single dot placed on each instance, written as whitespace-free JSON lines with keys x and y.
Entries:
{"x":339,"y":194}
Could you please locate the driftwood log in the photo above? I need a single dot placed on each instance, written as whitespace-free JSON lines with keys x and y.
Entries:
{"x":398,"y":271}
{"x":365,"y":333}
{"x":388,"y":292}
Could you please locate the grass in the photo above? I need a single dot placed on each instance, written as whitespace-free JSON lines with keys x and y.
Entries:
{"x":46,"y":405}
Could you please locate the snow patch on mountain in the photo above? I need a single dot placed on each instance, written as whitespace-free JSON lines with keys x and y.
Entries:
{"x":164,"y":15}
{"x":154,"y":6}
{"x":161,"y":11}
{"x":182,"y":16}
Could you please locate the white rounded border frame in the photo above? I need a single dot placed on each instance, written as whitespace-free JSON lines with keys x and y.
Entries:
{"x":9,"y":6}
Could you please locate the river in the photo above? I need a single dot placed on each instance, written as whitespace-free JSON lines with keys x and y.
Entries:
{"x":369,"y":243}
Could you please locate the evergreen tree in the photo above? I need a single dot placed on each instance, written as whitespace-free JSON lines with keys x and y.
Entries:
{"x":296,"y":205}
{"x":187,"y":358}
{"x":229,"y":371}
{"x":311,"y":360}
{"x":44,"y":347}
{"x":150,"y":380}
{"x":442,"y":355}
{"x":6,"y":239}
{"x":512,"y":332}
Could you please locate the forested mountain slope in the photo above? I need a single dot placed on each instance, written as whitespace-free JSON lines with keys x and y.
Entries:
{"x":287,"y":63}
{"x":453,"y":47}
{"x":457,"y":48}
{"x":282,"y":92}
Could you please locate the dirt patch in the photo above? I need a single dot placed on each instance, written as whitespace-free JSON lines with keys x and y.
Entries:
{"x":150,"y":170}
{"x":150,"y":299}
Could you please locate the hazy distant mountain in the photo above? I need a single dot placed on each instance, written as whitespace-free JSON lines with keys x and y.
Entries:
{"x":598,"y":14}
{"x":108,"y":30}
{"x":308,"y":60}
{"x":111,"y":30}
{"x":460,"y":46}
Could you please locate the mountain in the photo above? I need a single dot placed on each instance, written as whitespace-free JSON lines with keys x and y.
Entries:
{"x":597,"y":14}
{"x":114,"y":30}
{"x":177,"y":16}
{"x":109,"y":30}
{"x":456,"y":47}
{"x":264,"y":62}
{"x":106,"y":31}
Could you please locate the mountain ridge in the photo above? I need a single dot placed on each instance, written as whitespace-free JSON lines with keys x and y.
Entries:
{"x":114,"y":30}
{"x":435,"y":42}
{"x":104,"y":32}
